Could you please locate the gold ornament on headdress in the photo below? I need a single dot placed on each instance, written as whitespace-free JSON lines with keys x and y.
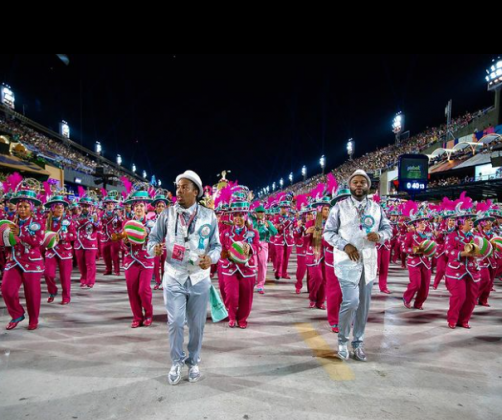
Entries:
{"x":223,"y":182}
{"x":30,"y":184}
{"x":207,"y":202}
{"x":92,"y":194}
{"x":162,"y":191}
{"x":59,"y":191}
{"x":223,"y":175}
{"x":140,"y":186}
{"x":114,"y":195}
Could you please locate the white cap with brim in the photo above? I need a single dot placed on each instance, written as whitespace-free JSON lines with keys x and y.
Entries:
{"x":360,"y":172}
{"x":192,"y":176}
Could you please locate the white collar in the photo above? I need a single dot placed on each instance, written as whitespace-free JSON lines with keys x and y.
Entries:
{"x":189,"y":210}
{"x":361,"y":203}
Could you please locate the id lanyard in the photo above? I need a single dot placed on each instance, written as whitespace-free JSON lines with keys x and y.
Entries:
{"x":363,"y":223}
{"x":186,"y":226}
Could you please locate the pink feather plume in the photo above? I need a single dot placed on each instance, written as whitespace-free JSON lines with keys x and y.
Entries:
{"x":127,"y":185}
{"x":466,"y":201}
{"x":255,"y":205}
{"x":301,"y":201}
{"x":318,"y":192}
{"x":482,"y":206}
{"x":14,"y":180}
{"x":332,"y":184}
{"x":47,"y":188}
{"x":81,"y":191}
{"x":409,"y":208}
{"x":223,"y":196}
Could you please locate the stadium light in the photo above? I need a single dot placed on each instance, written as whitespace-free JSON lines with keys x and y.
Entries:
{"x":398,"y":126}
{"x":7,"y":96}
{"x":350,"y":148}
{"x":64,"y":129}
{"x":494,"y":75}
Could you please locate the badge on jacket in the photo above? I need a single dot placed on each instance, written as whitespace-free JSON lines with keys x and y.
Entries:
{"x":34,"y":227}
{"x":249,"y":237}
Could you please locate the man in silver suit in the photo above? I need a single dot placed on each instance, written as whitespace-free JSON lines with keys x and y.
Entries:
{"x":353,"y":227}
{"x":192,"y":244}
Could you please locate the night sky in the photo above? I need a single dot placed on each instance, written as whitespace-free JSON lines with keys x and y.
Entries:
{"x":260,"y":115}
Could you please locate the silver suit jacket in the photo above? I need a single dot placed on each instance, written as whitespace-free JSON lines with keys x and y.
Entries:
{"x":344,"y":227}
{"x":203,"y":238}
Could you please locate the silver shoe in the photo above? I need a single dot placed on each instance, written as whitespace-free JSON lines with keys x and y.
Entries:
{"x":359,"y":354}
{"x":174,"y":376}
{"x":194,"y":373}
{"x":343,"y":352}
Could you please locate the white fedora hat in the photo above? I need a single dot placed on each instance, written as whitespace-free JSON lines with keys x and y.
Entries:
{"x":192,"y":176}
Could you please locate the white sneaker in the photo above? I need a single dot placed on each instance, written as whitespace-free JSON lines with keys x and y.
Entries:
{"x":359,"y":354}
{"x":194,"y":374}
{"x":174,"y":376}
{"x":343,"y":352}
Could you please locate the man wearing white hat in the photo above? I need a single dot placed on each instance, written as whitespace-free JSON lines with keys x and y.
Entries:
{"x":192,"y":243}
{"x":353,"y":227}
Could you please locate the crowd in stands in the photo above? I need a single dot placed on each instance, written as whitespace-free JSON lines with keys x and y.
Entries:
{"x":62,"y":154}
{"x":451,"y":180}
{"x":387,"y":157}
{"x":54,"y":151}
{"x":455,"y":180}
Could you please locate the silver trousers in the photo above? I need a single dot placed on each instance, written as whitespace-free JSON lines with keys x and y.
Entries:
{"x":354,"y":310}
{"x":186,"y":302}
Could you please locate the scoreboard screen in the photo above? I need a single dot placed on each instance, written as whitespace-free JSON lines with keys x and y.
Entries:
{"x":413,"y":172}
